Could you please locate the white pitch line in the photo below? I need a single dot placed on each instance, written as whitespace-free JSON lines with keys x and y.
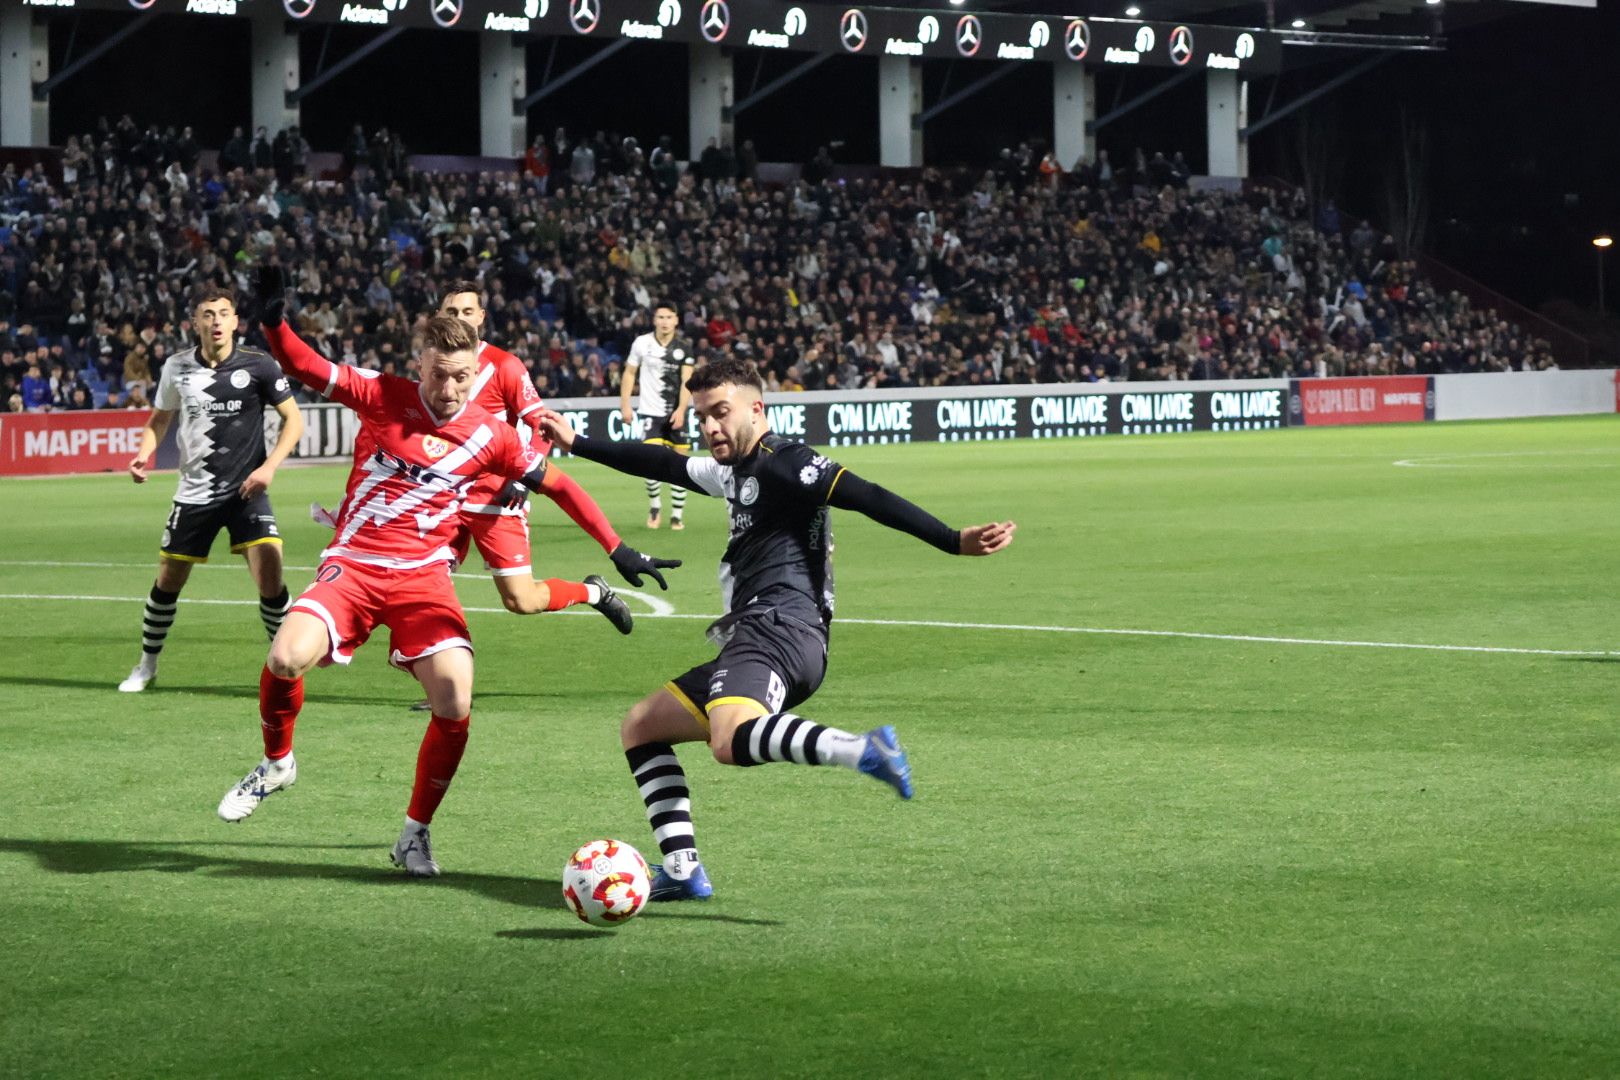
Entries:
{"x":1442,"y":461}
{"x":1024,"y":627}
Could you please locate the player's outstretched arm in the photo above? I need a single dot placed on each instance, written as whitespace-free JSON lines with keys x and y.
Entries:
{"x":637,"y":459}
{"x":850,"y":492}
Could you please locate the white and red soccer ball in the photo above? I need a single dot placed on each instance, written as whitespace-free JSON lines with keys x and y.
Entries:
{"x":606,"y":882}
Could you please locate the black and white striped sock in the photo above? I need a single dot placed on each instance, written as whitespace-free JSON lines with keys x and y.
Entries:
{"x":654,"y":504}
{"x":273,"y":609}
{"x":662,"y":784}
{"x":785,"y":736}
{"x":677,"y":502}
{"x":155,"y":623}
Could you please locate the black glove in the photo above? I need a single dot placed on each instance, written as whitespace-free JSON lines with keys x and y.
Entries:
{"x":513,"y":495}
{"x":631,"y":564}
{"x":272,"y":295}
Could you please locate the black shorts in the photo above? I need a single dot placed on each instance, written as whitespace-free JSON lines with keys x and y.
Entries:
{"x":190,"y":530}
{"x":660,"y":431}
{"x":772,"y":660}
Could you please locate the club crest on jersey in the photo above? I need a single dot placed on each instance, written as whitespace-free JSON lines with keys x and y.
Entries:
{"x":749,"y":492}
{"x":240,"y":379}
{"x":434,"y":447}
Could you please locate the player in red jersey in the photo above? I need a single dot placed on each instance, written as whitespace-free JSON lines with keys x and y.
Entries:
{"x":389,"y":560}
{"x":495,"y":512}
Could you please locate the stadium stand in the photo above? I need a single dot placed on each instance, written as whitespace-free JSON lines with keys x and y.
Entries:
{"x":1019,"y":274}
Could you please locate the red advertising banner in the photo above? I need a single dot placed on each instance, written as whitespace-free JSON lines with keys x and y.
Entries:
{"x":38,"y":444}
{"x":1377,"y":399}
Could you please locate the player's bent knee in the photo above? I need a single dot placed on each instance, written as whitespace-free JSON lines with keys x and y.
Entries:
{"x":451,"y":704}
{"x":723,"y":724}
{"x":298,"y":646}
{"x":721,"y":749}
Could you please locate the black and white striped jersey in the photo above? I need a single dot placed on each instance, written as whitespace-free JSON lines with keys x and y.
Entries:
{"x":220,"y":428}
{"x":658,"y":373}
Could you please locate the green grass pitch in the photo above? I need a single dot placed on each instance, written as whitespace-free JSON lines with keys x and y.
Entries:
{"x":1130,"y":855}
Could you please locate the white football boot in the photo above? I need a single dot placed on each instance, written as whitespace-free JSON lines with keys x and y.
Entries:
{"x":141,"y":675}
{"x":266,"y":778}
{"x":414,"y":851}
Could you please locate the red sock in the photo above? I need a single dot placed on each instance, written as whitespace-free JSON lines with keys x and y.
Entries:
{"x":279,"y":702}
{"x":565,"y":593}
{"x":436,"y":762}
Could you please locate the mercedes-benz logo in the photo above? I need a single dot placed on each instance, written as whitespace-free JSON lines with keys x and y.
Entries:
{"x":1181,"y":46}
{"x":447,"y":12}
{"x":852,"y":30}
{"x":584,"y":14}
{"x":714,"y":20}
{"x":968,"y":35}
{"x":1077,"y":39}
{"x":298,"y":9}
{"x":141,"y":5}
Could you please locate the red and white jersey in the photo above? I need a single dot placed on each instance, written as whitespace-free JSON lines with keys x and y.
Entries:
{"x":503,"y":387}
{"x":400,"y":509}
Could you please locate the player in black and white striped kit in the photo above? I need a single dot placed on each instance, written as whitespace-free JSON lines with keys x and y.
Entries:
{"x":660,"y":363}
{"x":220,"y":392}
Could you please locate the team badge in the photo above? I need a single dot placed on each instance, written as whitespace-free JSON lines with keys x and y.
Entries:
{"x":749,"y":492}
{"x":680,"y":354}
{"x":240,"y":379}
{"x":434,"y":447}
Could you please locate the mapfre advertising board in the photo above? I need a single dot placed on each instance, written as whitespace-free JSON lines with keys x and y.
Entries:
{"x":45,"y":444}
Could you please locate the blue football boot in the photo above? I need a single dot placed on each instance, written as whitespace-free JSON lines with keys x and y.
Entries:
{"x":885,"y":760}
{"x":695,"y":887}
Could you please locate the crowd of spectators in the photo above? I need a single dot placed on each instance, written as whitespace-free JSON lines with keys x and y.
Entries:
{"x":1019,"y":273}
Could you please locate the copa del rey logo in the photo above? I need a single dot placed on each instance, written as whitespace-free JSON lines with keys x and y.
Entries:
{"x":434,"y":447}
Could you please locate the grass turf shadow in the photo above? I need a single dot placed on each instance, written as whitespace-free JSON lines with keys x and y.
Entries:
{"x":125,"y":857}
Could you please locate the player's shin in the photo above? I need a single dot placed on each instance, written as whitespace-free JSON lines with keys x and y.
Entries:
{"x":436,"y":763}
{"x":565,"y":594}
{"x":662,"y":784}
{"x":279,"y":703}
{"x":156,"y":620}
{"x":785,"y":736}
{"x":272,"y":610}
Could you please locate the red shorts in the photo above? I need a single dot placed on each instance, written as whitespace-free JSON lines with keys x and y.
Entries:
{"x":419,"y":607}
{"x":502,"y":537}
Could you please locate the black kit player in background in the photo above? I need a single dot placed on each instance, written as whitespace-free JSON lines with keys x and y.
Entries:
{"x":220,"y":392}
{"x":777,"y":590}
{"x":659,"y":364}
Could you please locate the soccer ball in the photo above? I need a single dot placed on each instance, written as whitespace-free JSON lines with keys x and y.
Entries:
{"x":606,"y":882}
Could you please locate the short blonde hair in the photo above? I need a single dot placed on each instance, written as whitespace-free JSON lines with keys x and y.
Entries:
{"x":448,"y":334}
